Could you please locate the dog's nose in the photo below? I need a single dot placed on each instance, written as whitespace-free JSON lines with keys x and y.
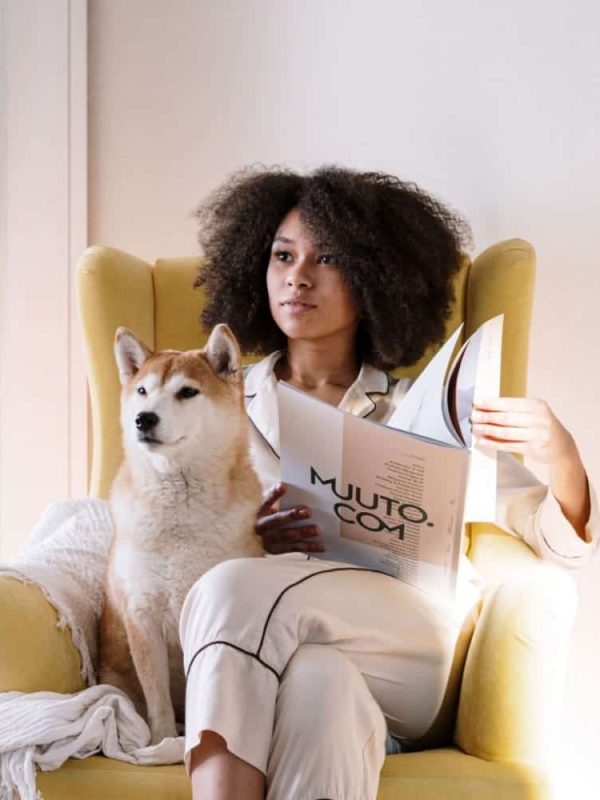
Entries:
{"x":146,"y":420}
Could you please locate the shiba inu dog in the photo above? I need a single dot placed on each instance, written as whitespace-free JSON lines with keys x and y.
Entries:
{"x":184,"y":499}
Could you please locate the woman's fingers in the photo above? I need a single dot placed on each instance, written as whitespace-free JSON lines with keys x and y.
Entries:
{"x":508,"y":447}
{"x":513,"y":412}
{"x":523,"y":425}
{"x":271,"y":496}
{"x":279,"y":518}
{"x":513,"y":418}
{"x":518,"y":404}
{"x":504,"y":433}
{"x":291,"y":534}
{"x":271,"y":526}
{"x":288,"y":540}
{"x":277,"y":548}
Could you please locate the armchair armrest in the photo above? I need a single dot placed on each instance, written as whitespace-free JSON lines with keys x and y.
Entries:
{"x":35,"y":654}
{"x":514,"y":674}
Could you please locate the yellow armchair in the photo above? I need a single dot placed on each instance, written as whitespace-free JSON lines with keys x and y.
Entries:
{"x":508,"y":710}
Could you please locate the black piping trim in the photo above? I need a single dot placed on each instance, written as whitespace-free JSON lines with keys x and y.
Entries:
{"x":382,"y":394}
{"x":235,"y":647}
{"x":556,"y":553}
{"x":301,"y":580}
{"x":270,"y":614}
{"x":260,"y":433}
{"x":245,"y":370}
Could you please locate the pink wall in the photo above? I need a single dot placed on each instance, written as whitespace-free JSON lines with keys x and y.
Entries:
{"x":43,"y":184}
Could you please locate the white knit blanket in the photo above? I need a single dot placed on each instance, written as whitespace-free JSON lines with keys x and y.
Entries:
{"x":66,"y":557}
{"x":44,"y":729}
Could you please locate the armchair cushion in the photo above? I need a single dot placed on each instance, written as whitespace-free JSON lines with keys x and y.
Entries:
{"x":445,"y":773}
{"x":449,"y":774}
{"x":515,"y":669}
{"x":37,"y":654}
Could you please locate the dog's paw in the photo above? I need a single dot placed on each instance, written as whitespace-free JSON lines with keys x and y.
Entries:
{"x":163,"y":733}
{"x":162,"y":729}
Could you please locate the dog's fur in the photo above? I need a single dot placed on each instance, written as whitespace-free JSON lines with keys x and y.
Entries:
{"x":184,"y":499}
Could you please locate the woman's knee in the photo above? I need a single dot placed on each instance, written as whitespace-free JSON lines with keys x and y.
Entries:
{"x":224,"y":577}
{"x":322,"y":688}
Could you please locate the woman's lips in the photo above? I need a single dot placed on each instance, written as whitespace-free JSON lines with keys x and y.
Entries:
{"x":296,"y":307}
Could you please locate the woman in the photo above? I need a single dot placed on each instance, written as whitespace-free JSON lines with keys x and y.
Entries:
{"x":297,"y":668}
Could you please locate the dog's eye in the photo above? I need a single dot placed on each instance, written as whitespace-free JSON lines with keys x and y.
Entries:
{"x":185,"y":392}
{"x":141,"y":390}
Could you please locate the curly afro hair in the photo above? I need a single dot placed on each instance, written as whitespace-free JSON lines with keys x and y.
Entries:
{"x":397,"y":248}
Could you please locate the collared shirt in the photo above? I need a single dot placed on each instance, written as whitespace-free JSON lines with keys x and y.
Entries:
{"x":525,"y":507}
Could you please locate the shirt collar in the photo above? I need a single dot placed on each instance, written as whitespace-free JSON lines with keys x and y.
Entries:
{"x":256,"y":375}
{"x":260,"y":389}
{"x":369,"y":381}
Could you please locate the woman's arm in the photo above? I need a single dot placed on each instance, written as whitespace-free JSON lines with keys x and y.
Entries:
{"x":528,"y":426}
{"x":569,"y":484}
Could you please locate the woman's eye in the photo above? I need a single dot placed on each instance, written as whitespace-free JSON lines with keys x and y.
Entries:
{"x":282,"y":255}
{"x":186,"y":392}
{"x":327,"y":258}
{"x":141,"y":390}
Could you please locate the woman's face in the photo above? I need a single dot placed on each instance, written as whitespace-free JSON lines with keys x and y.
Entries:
{"x":308,"y":296}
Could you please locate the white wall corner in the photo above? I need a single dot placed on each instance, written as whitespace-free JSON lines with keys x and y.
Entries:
{"x":43,"y":229}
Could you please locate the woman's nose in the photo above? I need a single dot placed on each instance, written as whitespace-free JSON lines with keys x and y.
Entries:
{"x":298,"y":276}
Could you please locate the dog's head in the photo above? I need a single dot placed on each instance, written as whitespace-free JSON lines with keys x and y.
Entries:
{"x":177,"y":405}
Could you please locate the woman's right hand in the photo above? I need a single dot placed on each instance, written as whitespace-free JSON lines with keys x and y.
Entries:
{"x":272,"y":526}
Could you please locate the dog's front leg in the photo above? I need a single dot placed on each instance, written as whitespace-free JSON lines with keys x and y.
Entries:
{"x":150,"y":657}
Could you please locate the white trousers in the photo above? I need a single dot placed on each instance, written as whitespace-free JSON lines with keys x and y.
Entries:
{"x":302,"y":665}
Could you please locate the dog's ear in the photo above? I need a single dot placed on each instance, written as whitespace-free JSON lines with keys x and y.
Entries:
{"x":223,"y":352}
{"x":130,"y":354}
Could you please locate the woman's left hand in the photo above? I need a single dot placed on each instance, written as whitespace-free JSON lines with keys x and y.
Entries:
{"x":522,"y":425}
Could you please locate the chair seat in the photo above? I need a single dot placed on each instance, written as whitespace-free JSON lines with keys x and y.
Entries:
{"x":432,"y":775}
{"x":98,"y":778}
{"x":450,"y":774}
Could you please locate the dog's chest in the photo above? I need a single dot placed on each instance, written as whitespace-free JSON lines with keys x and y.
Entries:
{"x":166,"y":548}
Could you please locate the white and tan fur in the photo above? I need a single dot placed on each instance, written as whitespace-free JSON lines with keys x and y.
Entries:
{"x":184,"y":499}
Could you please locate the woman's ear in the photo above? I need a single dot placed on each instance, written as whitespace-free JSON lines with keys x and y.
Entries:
{"x":223,"y":351}
{"x":130,"y":354}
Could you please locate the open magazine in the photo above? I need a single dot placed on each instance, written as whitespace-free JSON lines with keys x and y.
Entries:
{"x":395,"y":496}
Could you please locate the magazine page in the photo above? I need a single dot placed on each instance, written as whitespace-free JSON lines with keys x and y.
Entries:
{"x":476,"y":374}
{"x":420,"y":410}
{"x":384,"y":499}
{"x":440,"y":407}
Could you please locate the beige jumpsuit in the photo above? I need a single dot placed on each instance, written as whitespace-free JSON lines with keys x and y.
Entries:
{"x":304,"y":664}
